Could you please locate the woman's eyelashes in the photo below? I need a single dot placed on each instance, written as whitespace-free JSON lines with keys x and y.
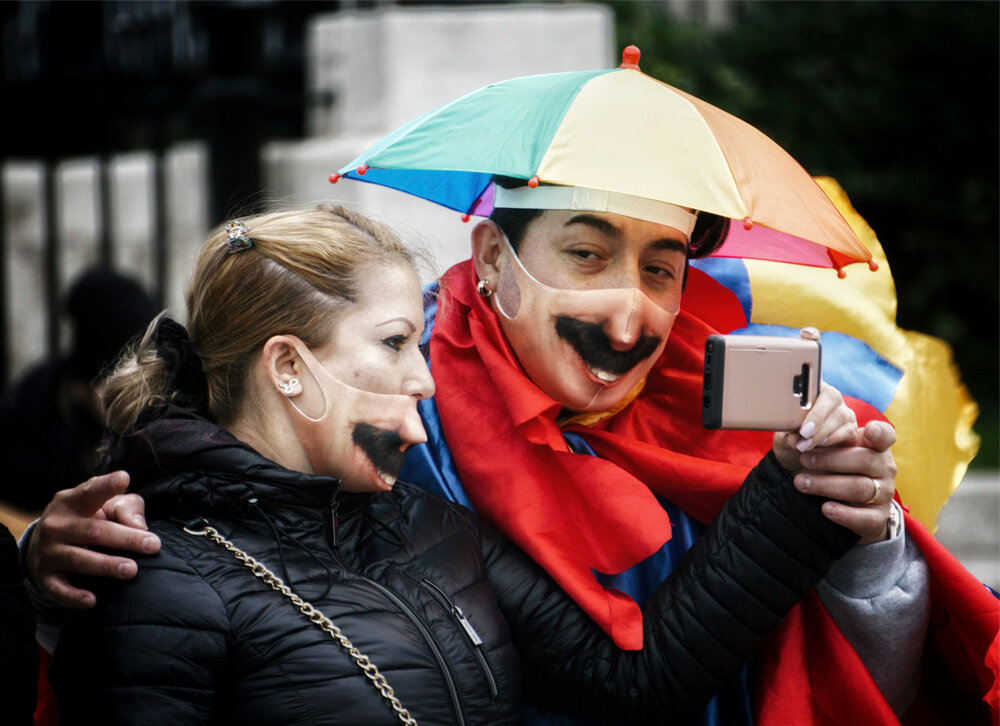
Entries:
{"x":396,"y":342}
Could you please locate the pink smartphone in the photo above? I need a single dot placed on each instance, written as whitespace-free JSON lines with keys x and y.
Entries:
{"x":759,"y":382}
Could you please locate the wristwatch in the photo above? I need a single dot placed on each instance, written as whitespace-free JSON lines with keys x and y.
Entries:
{"x":895,"y":522}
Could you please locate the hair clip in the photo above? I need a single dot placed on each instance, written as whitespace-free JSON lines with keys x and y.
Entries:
{"x":238,"y":240}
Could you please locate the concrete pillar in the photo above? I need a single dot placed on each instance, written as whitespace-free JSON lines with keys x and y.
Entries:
{"x":23,"y":184}
{"x":385,"y":67}
{"x":78,"y":213}
{"x":969,"y":525}
{"x":187,"y":216}
{"x":132,"y":224}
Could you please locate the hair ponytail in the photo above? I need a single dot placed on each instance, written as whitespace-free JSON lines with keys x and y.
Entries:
{"x":162,"y":369}
{"x":138,"y":380}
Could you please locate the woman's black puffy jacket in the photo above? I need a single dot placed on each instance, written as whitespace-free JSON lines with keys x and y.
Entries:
{"x":460,"y":622}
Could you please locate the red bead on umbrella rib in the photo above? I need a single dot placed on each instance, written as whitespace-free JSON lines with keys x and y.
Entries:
{"x":630,"y":57}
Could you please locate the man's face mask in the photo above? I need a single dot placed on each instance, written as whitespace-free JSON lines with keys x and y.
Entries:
{"x":354,"y":435}
{"x":586,"y":349}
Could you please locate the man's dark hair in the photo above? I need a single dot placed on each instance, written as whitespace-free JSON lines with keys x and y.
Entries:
{"x":709,"y":232}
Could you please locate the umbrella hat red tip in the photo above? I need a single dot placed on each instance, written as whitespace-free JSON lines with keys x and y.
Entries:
{"x":630,"y":57}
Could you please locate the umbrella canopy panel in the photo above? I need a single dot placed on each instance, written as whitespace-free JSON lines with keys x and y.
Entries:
{"x":617,"y":130}
{"x":625,"y":134}
{"x":449,"y":155}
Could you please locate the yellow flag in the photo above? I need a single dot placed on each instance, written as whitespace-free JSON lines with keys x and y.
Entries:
{"x":931,"y":408}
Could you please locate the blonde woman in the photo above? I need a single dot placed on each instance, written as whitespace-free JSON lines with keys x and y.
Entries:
{"x":299,"y":582}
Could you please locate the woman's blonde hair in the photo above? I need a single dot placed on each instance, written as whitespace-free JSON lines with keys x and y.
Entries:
{"x":302,"y":269}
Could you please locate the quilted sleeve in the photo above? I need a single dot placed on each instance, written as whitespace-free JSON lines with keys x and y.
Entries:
{"x":765,"y":550}
{"x":153,"y":650}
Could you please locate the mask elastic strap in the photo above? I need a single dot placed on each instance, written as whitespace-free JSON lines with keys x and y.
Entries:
{"x":312,"y":375}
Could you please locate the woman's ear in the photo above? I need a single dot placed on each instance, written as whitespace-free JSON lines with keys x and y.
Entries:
{"x":487,"y":241}
{"x":292,"y":377}
{"x":283,"y":364}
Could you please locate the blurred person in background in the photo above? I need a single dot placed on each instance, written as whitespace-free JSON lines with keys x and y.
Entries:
{"x":51,"y":420}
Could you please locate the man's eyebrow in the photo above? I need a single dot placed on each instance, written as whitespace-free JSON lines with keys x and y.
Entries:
{"x":668,"y":243}
{"x":609,"y":230}
{"x":400,"y":319}
{"x":601,"y":225}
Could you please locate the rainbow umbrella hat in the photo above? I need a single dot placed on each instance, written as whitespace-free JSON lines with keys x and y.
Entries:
{"x":617,"y":130}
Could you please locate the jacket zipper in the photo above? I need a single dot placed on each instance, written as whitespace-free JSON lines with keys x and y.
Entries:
{"x":333,"y":521}
{"x":408,"y":612}
{"x":438,"y":655}
{"x":473,"y":637}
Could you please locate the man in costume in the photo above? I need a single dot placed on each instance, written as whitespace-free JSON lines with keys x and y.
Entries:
{"x":529,"y":367}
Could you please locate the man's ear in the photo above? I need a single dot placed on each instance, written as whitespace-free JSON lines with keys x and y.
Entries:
{"x":487,"y":241}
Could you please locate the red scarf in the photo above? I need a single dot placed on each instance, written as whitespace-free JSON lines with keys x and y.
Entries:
{"x":575,"y":513}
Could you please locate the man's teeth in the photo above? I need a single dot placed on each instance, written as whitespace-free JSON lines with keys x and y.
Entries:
{"x":606,"y":376}
{"x":387,"y":478}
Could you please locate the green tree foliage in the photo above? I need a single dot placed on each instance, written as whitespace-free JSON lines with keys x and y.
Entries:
{"x":898,"y":101}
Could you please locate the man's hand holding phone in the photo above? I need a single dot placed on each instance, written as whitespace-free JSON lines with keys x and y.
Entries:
{"x":767,"y":383}
{"x":831,"y":457}
{"x":857,"y":471}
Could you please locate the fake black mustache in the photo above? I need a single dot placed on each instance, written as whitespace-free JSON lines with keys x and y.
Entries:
{"x":381,"y":446}
{"x":593,"y":346}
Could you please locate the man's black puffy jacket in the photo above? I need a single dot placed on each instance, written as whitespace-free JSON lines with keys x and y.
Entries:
{"x":460,"y":622}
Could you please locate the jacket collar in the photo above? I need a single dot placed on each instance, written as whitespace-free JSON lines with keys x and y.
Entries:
{"x":178,"y":459}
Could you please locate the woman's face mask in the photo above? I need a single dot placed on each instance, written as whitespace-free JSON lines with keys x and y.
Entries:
{"x":356,"y":436}
{"x":585,"y":348}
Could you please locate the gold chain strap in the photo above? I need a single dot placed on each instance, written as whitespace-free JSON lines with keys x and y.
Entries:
{"x":315,"y":616}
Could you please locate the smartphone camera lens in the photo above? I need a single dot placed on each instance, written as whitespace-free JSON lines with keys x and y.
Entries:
{"x":800,"y":386}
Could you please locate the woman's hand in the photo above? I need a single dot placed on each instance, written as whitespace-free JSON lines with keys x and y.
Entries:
{"x":831,"y":457}
{"x":94,"y":514}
